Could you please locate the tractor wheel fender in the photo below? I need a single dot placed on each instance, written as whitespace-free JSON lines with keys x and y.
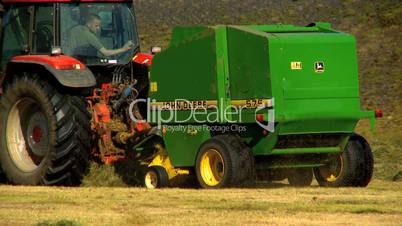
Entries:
{"x":74,"y":78}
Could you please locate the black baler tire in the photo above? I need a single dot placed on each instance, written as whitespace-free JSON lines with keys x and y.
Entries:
{"x":66,"y":160}
{"x":358,"y":165}
{"x":237,"y":159}
{"x":365,"y":164}
{"x":248,"y":175}
{"x":161,"y":174}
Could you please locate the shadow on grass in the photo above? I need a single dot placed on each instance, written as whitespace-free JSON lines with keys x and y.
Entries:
{"x":58,"y":223}
{"x":127,"y":174}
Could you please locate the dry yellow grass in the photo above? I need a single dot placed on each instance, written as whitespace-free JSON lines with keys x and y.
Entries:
{"x":378,"y":204}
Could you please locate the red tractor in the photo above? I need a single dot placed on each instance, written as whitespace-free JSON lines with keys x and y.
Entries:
{"x":68,"y":71}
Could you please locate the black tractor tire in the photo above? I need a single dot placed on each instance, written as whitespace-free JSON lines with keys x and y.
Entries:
{"x":155,"y":177}
{"x":301,"y":177}
{"x":354,"y":166}
{"x":224,"y":161}
{"x":44,"y":136}
{"x":3,"y":178}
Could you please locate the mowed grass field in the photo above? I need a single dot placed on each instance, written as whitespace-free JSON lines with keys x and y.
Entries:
{"x":266,"y":204}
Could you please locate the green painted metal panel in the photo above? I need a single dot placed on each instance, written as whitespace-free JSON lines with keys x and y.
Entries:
{"x":320,"y":116}
{"x":282,"y":28}
{"x":183,"y":146}
{"x":307,"y":100}
{"x":322,"y":93}
{"x":288,"y":166}
{"x":222,"y":72}
{"x":186,"y":70}
{"x":249,"y":64}
{"x":291,"y":151}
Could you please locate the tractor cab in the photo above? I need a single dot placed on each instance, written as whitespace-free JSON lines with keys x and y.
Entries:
{"x":38,"y":27}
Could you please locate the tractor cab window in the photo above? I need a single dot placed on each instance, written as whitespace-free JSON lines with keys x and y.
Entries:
{"x":43,"y":29}
{"x":16,"y":33}
{"x":98,"y":33}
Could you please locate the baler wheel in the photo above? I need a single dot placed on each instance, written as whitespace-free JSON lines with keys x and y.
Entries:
{"x":155,"y":177}
{"x":223,"y":162}
{"x":46,"y":136}
{"x":354,"y":167}
{"x":301,"y":177}
{"x":212,"y":167}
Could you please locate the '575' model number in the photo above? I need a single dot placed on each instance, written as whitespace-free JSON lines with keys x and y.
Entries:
{"x":252,"y":103}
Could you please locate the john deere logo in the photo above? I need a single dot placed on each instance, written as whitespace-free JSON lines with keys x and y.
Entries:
{"x":319,"y":67}
{"x":296,"y":65}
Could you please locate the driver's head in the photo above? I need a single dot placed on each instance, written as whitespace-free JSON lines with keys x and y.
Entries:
{"x":93,"y":22}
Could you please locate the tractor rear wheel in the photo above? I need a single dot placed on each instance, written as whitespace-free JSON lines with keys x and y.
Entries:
{"x":223,"y":161}
{"x":354,"y":167}
{"x":45,"y":136}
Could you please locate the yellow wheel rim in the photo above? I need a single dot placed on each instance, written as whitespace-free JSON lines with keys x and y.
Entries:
{"x":151,"y":180}
{"x":212,"y":167}
{"x":333,"y":170}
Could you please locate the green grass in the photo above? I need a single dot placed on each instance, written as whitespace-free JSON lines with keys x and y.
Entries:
{"x":102,"y":176}
{"x":389,"y":160}
{"x":378,"y":204}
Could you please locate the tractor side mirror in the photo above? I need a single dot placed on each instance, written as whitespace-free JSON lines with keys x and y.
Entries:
{"x":55,"y":51}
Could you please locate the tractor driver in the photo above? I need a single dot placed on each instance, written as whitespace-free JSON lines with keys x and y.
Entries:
{"x":84,"y":42}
